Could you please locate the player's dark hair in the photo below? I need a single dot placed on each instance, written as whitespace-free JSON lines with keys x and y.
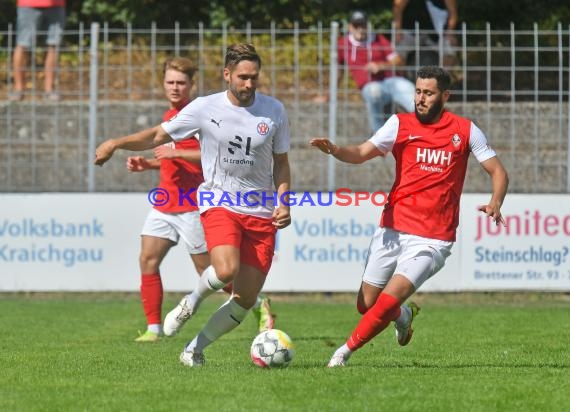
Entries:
{"x":241,"y":51}
{"x":181,"y":64}
{"x":434,"y":72}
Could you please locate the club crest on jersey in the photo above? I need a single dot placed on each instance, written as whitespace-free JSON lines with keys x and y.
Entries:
{"x":263,"y":128}
{"x":456,"y":140}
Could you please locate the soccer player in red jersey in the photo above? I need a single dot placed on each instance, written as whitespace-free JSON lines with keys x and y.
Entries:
{"x":417,"y":228}
{"x":168,"y":221}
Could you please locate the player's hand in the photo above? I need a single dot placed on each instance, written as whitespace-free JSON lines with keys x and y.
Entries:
{"x":493,"y":212}
{"x":324,"y":145}
{"x":281,"y":217}
{"x":164,"y":152}
{"x":104,"y":152}
{"x":137,"y":164}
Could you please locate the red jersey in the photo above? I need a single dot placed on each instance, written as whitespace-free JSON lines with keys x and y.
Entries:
{"x":180,"y":175}
{"x":357,"y":54}
{"x":431,"y":162}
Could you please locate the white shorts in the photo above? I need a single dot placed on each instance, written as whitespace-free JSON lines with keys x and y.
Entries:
{"x":416,"y":258}
{"x":173,"y":226}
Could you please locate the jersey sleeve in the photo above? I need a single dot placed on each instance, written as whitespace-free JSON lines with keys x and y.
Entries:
{"x":186,"y":123}
{"x":282,"y":138}
{"x":479,"y":146}
{"x":385,"y":137}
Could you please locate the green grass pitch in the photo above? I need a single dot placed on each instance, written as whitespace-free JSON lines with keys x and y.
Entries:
{"x":475,"y":352}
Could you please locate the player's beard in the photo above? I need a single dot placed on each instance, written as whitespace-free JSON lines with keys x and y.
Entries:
{"x":245,"y":97}
{"x":432,"y":114}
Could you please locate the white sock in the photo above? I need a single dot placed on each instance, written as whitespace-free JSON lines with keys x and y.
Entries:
{"x":154,"y":328}
{"x":344,"y":351}
{"x":207,"y":285}
{"x":405,"y":315}
{"x":225,"y":319}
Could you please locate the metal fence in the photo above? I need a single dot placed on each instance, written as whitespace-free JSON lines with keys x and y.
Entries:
{"x":513,"y":83}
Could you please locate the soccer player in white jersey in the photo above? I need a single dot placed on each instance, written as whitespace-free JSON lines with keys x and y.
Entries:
{"x":244,"y":142}
{"x":417,"y":229}
{"x":180,"y":169}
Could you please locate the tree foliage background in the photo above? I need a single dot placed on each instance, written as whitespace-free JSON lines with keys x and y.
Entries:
{"x":236,"y":13}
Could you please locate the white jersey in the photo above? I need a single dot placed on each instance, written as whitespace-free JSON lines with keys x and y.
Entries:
{"x":237,"y":146}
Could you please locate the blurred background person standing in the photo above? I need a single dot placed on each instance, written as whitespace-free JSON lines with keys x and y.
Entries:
{"x":37,"y":16}
{"x":437,"y":19}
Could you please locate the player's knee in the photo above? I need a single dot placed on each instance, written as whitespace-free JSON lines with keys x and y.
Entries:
{"x":149,"y":263}
{"x":226,"y":271}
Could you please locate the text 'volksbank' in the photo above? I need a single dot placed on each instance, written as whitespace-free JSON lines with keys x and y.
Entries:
{"x":329,"y":240}
{"x":35,"y":241}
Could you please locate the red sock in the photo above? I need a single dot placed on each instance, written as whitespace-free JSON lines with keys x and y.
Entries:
{"x":374,"y":321}
{"x":228,"y":288}
{"x":151,"y":296}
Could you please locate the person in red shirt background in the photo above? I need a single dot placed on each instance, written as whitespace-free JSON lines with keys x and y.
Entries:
{"x":418,"y":224}
{"x":371,"y":61}
{"x":35,"y":16}
{"x":173,"y":216}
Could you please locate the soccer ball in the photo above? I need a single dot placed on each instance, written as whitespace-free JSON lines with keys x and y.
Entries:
{"x":272,"y":348}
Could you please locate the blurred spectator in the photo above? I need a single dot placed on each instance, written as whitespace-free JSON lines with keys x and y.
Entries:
{"x":371,"y":61}
{"x":37,"y":16}
{"x":437,"y":19}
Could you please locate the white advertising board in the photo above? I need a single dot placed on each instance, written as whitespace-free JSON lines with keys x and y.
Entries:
{"x":532,"y":252}
{"x":90,"y":242}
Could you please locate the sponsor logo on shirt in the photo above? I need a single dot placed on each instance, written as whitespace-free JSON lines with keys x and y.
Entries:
{"x":456,"y":140}
{"x":434,"y":157}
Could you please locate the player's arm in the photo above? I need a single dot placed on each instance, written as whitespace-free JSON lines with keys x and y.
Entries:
{"x":165,"y":152}
{"x":354,"y":154}
{"x":500,"y":183}
{"x":282,"y":181}
{"x":137,"y":142}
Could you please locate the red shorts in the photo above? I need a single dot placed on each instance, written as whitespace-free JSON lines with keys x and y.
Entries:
{"x":253,"y":236}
